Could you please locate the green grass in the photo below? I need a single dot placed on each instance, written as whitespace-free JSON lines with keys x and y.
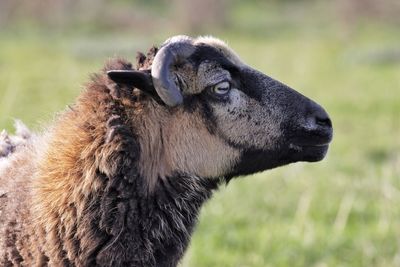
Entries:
{"x":343,"y":211}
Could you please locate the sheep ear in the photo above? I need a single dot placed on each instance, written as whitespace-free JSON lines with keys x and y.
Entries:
{"x":139,"y":79}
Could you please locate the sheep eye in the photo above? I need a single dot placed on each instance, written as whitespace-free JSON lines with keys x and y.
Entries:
{"x":221,"y":88}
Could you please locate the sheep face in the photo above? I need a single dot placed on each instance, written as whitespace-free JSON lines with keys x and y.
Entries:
{"x":232,"y":120}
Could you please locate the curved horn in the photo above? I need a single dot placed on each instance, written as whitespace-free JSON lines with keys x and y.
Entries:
{"x":175,"y":49}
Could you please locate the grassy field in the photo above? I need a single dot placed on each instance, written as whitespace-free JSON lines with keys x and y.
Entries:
{"x":344,"y":211}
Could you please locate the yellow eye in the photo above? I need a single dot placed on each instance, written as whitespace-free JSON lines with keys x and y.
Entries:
{"x":222,"y":88}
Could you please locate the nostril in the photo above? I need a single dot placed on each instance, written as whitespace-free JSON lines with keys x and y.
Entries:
{"x":324,"y":122}
{"x":317,"y":118}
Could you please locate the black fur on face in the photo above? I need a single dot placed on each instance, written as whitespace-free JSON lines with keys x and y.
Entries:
{"x":270,"y":123}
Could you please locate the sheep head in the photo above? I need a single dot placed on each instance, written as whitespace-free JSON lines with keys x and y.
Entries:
{"x":218,"y":117}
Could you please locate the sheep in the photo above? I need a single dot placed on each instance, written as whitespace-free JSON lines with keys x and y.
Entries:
{"x":119,"y":177}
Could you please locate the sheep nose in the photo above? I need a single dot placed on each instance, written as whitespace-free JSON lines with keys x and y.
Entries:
{"x":318,"y":122}
{"x":322,"y":119}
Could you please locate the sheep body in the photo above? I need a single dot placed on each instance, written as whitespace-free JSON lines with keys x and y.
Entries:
{"x":120,"y":176}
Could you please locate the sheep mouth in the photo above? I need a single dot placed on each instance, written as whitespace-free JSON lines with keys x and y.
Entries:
{"x":295,"y":146}
{"x":309,"y":152}
{"x":311,"y":140}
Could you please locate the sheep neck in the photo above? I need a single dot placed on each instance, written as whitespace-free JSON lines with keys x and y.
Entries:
{"x":157,"y":227}
{"x":154,"y":229}
{"x":146,"y":227}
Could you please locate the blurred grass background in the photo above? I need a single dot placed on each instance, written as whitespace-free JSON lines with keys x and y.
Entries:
{"x":345,"y":54}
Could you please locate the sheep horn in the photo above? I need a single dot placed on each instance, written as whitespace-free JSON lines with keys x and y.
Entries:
{"x":175,"y":49}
